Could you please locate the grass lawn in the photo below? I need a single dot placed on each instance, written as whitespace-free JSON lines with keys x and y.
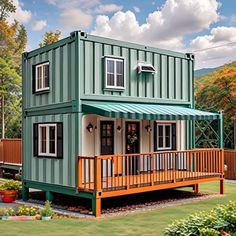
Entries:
{"x":146,"y":223}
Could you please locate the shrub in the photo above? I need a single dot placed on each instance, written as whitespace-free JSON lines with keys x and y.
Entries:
{"x":222,"y":217}
{"x":26,"y":211}
{"x":10,"y":211}
{"x":11,"y":185}
{"x":47,"y":210}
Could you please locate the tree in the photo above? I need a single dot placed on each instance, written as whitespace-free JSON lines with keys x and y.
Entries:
{"x":50,"y":37}
{"x":6,"y":7}
{"x":13,"y":40}
{"x":217,"y":91}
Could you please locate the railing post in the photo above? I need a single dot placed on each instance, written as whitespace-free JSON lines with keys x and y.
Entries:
{"x":152,"y":169}
{"x":98,"y":174}
{"x":79,"y":172}
{"x":96,"y":200}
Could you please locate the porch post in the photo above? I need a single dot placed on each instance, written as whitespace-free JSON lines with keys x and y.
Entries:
{"x":49,"y":196}
{"x":196,"y":188}
{"x":96,"y":206}
{"x":96,"y":200}
{"x":193,"y":134}
{"x":25,"y":192}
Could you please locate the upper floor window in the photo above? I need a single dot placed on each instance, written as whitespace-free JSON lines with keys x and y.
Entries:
{"x":114,"y":73}
{"x":41,"y":77}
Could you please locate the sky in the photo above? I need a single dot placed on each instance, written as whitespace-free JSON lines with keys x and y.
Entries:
{"x":179,"y":25}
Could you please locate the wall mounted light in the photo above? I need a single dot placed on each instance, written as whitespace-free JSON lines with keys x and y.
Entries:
{"x":119,"y":129}
{"x":90,"y":128}
{"x":148,"y":128}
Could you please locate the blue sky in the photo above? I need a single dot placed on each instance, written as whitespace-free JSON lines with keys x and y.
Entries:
{"x":182,"y":25}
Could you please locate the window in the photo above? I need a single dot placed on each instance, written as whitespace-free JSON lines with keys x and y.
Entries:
{"x":41,"y":77}
{"x":48,"y":140}
{"x":165,"y":136}
{"x":114,"y":69}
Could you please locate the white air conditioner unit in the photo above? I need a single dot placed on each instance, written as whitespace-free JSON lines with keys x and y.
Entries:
{"x":145,"y":67}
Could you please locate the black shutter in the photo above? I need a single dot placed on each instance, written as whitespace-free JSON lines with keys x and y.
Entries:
{"x":173,"y":136}
{"x":59,"y":140}
{"x":35,"y":138}
{"x":33,"y":78}
{"x":47,"y":81}
{"x":155,"y":136}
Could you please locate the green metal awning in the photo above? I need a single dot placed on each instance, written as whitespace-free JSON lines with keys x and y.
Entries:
{"x":146,"y":111}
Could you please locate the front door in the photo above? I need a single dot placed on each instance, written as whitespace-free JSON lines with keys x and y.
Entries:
{"x":132,"y":145}
{"x":107,"y":146}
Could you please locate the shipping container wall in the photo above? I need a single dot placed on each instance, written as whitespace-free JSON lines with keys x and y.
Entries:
{"x":51,"y":170}
{"x":61,"y":76}
{"x":172,"y":79}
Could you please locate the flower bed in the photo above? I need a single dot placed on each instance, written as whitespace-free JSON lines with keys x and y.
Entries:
{"x":219,"y":221}
{"x":26,"y":213}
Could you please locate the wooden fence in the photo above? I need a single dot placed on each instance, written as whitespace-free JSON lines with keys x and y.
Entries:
{"x":11,"y":151}
{"x":230,"y":161}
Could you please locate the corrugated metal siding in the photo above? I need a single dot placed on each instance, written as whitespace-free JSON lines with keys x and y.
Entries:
{"x":49,"y":170}
{"x":170,"y":82}
{"x":61,"y":76}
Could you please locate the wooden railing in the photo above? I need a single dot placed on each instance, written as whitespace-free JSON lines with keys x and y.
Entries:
{"x":119,"y":172}
{"x":230,"y":162}
{"x":11,"y":151}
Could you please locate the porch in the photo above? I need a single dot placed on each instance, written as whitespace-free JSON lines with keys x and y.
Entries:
{"x":115,"y":175}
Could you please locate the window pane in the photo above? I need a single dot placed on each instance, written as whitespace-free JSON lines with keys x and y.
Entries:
{"x":45,"y":76}
{"x":167,"y":142}
{"x":39,"y":78}
{"x":160,"y":142}
{"x":110,"y":66}
{"x":120,"y":80}
{"x":52,"y":140}
{"x":43,"y":140}
{"x":167,"y":130}
{"x":160,"y":131}
{"x":110,"y":80}
{"x":120,"y":67}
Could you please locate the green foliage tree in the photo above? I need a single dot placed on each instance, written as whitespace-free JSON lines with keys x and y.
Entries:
{"x":50,"y":37}
{"x":217,"y":91}
{"x":6,"y":7}
{"x":13,"y":38}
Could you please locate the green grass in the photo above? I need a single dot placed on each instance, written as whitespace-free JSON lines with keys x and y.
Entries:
{"x":146,"y":223}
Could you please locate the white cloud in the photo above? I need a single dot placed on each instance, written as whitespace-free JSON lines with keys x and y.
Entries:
{"x":136,"y":9}
{"x":21,"y":15}
{"x":213,"y":53}
{"x":108,"y":8}
{"x":74,"y":19}
{"x":165,"y":27}
{"x":39,"y":25}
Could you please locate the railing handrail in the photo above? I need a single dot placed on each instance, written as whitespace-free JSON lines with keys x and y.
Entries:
{"x":110,"y":156}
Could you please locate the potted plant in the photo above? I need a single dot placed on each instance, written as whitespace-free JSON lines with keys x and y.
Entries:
{"x":9,"y":190}
{"x":47,"y":212}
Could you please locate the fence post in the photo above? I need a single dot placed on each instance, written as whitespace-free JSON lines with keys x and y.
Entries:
{"x":222,"y":172}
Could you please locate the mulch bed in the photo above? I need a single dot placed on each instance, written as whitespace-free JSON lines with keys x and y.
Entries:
{"x":116,"y":204}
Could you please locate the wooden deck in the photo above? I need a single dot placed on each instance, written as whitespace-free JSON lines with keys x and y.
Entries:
{"x":116,"y":175}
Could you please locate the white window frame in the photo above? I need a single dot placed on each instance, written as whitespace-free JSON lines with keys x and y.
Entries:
{"x":115,"y":59}
{"x":47,"y":153}
{"x":164,"y":137}
{"x":43,"y":87}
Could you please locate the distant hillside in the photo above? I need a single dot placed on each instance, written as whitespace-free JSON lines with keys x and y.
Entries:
{"x":203,"y":71}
